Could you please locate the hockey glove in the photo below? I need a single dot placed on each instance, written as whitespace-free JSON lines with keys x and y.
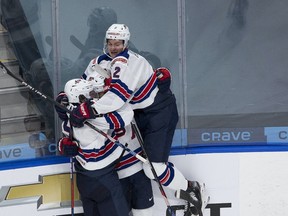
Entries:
{"x":68,"y":147}
{"x":164,"y":78}
{"x":81,"y":113}
{"x":63,"y":100}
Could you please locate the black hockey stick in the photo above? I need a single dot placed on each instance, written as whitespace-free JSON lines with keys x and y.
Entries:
{"x":72,"y":177}
{"x":72,"y":186}
{"x":117,"y":142}
{"x":4,"y":70}
{"x":170,"y":211}
{"x":97,"y":67}
{"x":77,"y":43}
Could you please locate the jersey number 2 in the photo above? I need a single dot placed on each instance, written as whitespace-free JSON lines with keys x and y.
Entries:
{"x":116,"y":72}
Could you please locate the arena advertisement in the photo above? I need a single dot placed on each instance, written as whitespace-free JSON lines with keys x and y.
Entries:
{"x":238,"y":136}
{"x":238,"y":184}
{"x":190,"y":137}
{"x":17,"y":151}
{"x":24,"y":151}
{"x":41,"y":190}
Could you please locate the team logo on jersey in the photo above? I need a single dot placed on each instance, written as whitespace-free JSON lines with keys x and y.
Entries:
{"x":121,"y":60}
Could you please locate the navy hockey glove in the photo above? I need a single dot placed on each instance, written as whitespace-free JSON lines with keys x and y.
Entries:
{"x":63,"y":100}
{"x":164,"y":78}
{"x":68,"y":147}
{"x":81,"y":113}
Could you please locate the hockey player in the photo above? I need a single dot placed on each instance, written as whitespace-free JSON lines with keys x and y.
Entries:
{"x":97,"y":157}
{"x":133,"y":81}
{"x":97,"y":181}
{"x":136,"y":185}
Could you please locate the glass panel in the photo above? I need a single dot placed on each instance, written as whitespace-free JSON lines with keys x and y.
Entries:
{"x":78,"y":37}
{"x":154,"y":34}
{"x":236,"y":71}
{"x":27,"y":121}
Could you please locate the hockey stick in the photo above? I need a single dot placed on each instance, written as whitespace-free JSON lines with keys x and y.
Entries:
{"x":4,"y":70}
{"x":117,"y":142}
{"x":72,"y":177}
{"x":170,"y":211}
{"x":72,"y":186}
{"x":77,"y":43}
{"x":97,"y":67}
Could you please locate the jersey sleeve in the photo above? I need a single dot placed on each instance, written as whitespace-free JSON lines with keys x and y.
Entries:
{"x":123,"y":84}
{"x":90,"y":70}
{"x":133,"y":81}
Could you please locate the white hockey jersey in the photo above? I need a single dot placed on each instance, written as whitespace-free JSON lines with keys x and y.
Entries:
{"x":133,"y":81}
{"x":97,"y":152}
{"x":129,"y":164}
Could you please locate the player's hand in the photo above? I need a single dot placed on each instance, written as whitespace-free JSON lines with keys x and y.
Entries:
{"x":68,"y":147}
{"x":164,"y":78}
{"x":81,"y":113}
{"x":63,"y":100}
{"x":163,"y":73}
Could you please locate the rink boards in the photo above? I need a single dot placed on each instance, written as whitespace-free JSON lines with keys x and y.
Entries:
{"x":239,"y":183}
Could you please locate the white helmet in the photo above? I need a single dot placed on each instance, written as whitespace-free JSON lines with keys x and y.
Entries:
{"x":98,"y":82}
{"x":118,"y":32}
{"x":76,"y":87}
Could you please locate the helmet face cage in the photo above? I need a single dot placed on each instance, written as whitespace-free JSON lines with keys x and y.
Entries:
{"x":97,"y":81}
{"x":99,"y":85}
{"x":117,"y":32}
{"x":76,"y":87}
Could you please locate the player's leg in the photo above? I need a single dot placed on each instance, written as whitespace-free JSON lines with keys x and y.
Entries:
{"x":141,"y":194}
{"x":157,"y":142}
{"x":168,"y":175}
{"x":88,"y":203}
{"x":104,"y":190}
{"x":89,"y":207}
{"x":117,"y":204}
{"x":157,"y":128}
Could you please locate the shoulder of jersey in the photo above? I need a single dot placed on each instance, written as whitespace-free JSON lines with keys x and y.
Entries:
{"x":119,"y":59}
{"x":93,"y":61}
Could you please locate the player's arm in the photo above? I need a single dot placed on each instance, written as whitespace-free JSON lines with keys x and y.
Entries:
{"x":164,"y":79}
{"x":89,"y":69}
{"x":121,"y":87}
{"x":97,"y":66}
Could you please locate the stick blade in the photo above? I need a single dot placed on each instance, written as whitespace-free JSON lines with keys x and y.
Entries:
{"x":170,"y":211}
{"x":101,"y":71}
{"x":3,"y":69}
